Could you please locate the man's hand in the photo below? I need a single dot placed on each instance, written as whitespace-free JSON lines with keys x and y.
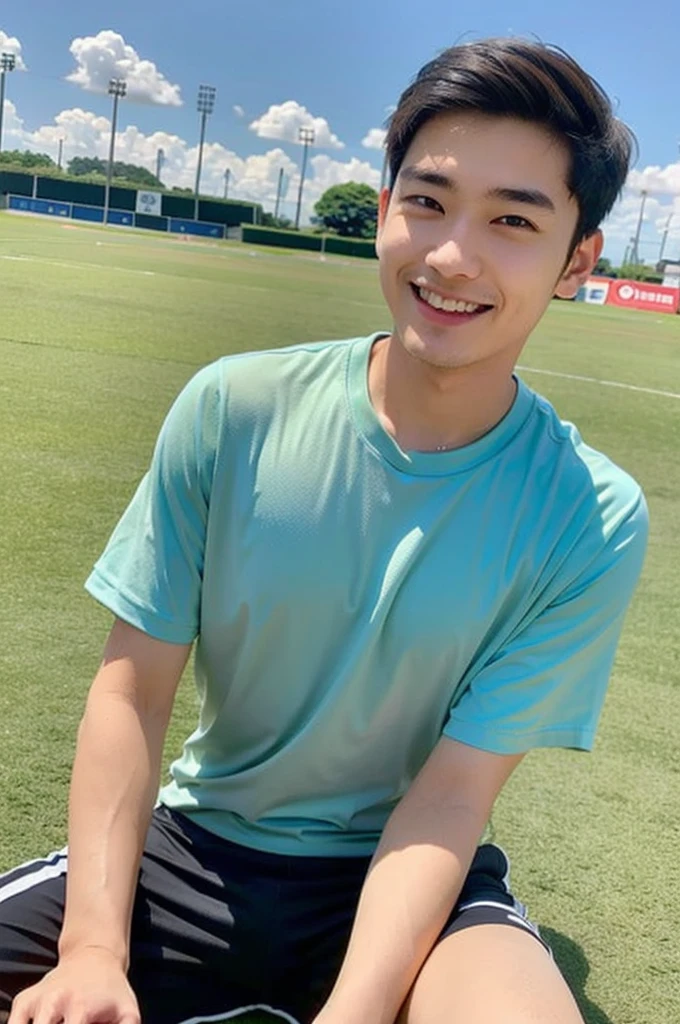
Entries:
{"x":86,"y":987}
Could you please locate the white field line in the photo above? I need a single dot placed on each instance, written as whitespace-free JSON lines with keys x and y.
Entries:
{"x":604,"y":383}
{"x":78,"y":266}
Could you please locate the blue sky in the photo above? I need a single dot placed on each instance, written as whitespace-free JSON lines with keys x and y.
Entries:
{"x":277,"y":64}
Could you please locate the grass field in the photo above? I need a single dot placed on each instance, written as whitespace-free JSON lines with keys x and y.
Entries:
{"x":99,"y":330}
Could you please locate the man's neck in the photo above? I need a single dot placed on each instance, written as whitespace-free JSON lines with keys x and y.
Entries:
{"x":429,"y":409}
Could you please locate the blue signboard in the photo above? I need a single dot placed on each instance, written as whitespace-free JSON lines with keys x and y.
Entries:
{"x":47,"y":207}
{"x":94,"y":214}
{"x":196,"y":227}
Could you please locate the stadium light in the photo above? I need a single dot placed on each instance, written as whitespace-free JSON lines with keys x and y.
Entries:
{"x":117,"y":89}
{"x":227,"y":178}
{"x":205,"y":106}
{"x":8,"y":62}
{"x":306,"y":136}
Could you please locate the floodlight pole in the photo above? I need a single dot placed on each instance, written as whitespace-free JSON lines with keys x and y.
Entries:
{"x":205,"y":106}
{"x":117,"y":89}
{"x":61,"y":153}
{"x":227,"y":176}
{"x":8,"y":62}
{"x":160,"y":160}
{"x":306,"y":136}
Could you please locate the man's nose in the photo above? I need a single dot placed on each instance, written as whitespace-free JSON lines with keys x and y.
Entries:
{"x":456,"y":254}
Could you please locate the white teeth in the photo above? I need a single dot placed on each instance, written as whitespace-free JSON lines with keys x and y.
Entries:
{"x":448,"y":305}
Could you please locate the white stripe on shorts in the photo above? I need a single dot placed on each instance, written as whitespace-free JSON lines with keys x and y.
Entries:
{"x":242,"y":1010}
{"x":42,"y":871}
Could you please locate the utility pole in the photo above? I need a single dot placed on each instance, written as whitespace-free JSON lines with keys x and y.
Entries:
{"x":279,"y":194}
{"x":635,"y":253}
{"x":8,"y":62}
{"x":665,"y":237}
{"x":160,"y":160}
{"x":306,"y":136}
{"x":205,"y":106}
{"x":117,"y":89}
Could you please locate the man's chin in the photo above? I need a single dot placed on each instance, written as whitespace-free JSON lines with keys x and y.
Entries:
{"x":440,"y":356}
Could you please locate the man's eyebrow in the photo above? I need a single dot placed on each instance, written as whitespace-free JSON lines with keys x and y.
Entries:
{"x":427,"y":178}
{"x":526,"y":196}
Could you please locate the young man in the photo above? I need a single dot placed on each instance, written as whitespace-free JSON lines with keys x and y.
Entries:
{"x":402,"y":572}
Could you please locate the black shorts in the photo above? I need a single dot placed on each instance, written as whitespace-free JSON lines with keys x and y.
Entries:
{"x":219,"y":928}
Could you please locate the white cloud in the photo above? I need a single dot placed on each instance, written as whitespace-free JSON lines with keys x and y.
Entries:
{"x":238,"y":110}
{"x":10,"y":44}
{"x":324,"y":173}
{"x":283,"y":121}
{"x":329,"y":172}
{"x":663,"y":187}
{"x":663,"y":180}
{"x":621,"y":226}
{"x":12,"y":127}
{"x":375,"y":138}
{"x":107,"y":55}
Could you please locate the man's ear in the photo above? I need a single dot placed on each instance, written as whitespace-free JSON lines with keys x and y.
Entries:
{"x":580,"y":266}
{"x":383,"y":203}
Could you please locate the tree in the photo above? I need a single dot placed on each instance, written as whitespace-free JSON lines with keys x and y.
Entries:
{"x":270,"y":221}
{"x":603,"y":267}
{"x":635,"y":271}
{"x":132,"y":173}
{"x":350,"y":210}
{"x":26,"y":159}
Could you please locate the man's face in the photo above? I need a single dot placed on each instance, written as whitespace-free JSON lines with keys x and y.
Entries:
{"x":480,"y":218}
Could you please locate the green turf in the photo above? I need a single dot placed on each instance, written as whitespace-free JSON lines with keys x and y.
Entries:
{"x":98,"y":331}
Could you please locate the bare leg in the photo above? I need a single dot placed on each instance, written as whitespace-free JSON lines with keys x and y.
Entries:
{"x":490,"y":974}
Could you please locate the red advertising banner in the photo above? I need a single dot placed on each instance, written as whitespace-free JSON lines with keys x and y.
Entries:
{"x":641,"y":295}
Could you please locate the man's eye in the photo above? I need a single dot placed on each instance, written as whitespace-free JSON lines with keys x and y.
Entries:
{"x":425,"y":202}
{"x":513,"y":220}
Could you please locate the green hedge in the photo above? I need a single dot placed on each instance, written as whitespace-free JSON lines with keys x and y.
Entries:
{"x":287,"y":239}
{"x":351,"y":247}
{"x":297,"y":240}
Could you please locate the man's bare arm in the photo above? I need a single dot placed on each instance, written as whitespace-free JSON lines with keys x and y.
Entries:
{"x":414,"y":880}
{"x":115,"y":781}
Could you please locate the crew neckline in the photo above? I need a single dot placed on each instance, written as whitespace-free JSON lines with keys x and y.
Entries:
{"x":417,"y":463}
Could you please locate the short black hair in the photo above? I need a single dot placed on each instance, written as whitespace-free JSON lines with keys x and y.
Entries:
{"x":534,"y":82}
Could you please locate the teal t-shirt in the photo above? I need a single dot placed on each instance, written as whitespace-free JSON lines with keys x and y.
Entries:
{"x":351,"y":602}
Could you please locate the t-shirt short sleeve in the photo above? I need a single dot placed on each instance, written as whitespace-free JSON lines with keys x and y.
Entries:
{"x":546,"y":686}
{"x":150,"y":573}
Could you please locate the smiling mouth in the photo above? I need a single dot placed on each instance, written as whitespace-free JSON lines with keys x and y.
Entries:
{"x":451,"y":306}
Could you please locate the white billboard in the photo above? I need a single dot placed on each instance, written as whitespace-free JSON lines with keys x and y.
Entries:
{"x":671,"y":277}
{"x":150,"y":203}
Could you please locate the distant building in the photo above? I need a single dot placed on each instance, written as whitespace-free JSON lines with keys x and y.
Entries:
{"x":671,"y":273}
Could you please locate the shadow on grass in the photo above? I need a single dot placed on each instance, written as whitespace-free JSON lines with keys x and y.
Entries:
{"x":572,"y":961}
